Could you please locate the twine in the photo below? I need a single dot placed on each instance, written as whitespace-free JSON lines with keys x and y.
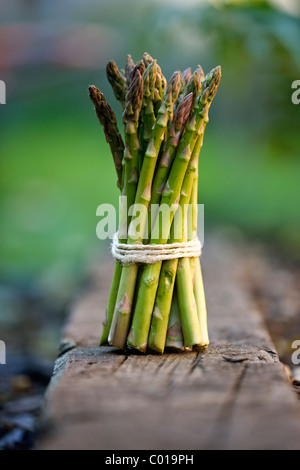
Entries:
{"x":149,"y":254}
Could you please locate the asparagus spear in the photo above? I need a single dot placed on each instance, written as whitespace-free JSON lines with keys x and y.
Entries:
{"x":138,"y":335}
{"x":200,"y":302}
{"x":147,"y":113}
{"x":187,"y":73}
{"x":143,"y":194}
{"x":140,"y":66}
{"x":192,"y":218}
{"x":117,"y":81}
{"x":147,"y":59}
{"x":122,"y":313}
{"x":129,"y":69}
{"x":131,"y":115}
{"x":177,"y":127}
{"x":108,"y":121}
{"x":196,"y":269}
{"x":160,"y":317}
{"x":186,"y":298}
{"x":130,"y":177}
{"x":160,"y":86}
{"x":194,"y":84}
{"x":184,"y":280}
{"x":163,"y":302}
{"x":124,"y":282}
{"x":111,"y":304}
{"x":174,"y":337}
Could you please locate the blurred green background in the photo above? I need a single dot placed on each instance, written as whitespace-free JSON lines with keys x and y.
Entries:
{"x":55,"y":166}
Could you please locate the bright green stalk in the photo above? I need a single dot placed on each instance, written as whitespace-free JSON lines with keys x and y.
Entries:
{"x":194,"y":207}
{"x":131,"y":116}
{"x":129,"y":181}
{"x":117,"y":81}
{"x":201,"y":303}
{"x":184,"y":282}
{"x":177,"y":127}
{"x":111,"y":304}
{"x":192,"y":219}
{"x":108,"y":121}
{"x":196,"y":270}
{"x":147,"y":113}
{"x":143,"y":193}
{"x":161,"y":311}
{"x":193,"y":335}
{"x":138,"y":336}
{"x":186,"y":298}
{"x":122,"y":314}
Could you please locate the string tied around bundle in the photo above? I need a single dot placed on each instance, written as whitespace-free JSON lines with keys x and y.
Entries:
{"x":150,"y":254}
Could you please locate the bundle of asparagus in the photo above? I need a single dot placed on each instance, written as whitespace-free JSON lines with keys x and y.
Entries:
{"x":161,"y":304}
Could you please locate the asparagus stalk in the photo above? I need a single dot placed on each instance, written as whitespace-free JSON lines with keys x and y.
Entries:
{"x":178,"y":312}
{"x":196,"y":270}
{"x":192,"y":218}
{"x":179,"y":121}
{"x":147,"y":113}
{"x":131,"y":116}
{"x":108,"y":121}
{"x":130,"y":178}
{"x":117,"y":81}
{"x":138,"y":335}
{"x":197,"y":274}
{"x":174,"y":337}
{"x":143,"y":193}
{"x":184,"y":281}
{"x":160,"y":317}
{"x":121,"y":318}
{"x":111,"y":304}
{"x":163,"y":302}
{"x":186,"y":298}
{"x":194,"y":84}
{"x":200,"y":302}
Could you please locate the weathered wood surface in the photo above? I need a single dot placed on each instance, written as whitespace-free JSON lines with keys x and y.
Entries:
{"x":103,"y":399}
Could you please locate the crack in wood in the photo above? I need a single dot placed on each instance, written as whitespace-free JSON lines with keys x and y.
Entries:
{"x":223,"y":422}
{"x":122,"y":361}
{"x":198,"y":362}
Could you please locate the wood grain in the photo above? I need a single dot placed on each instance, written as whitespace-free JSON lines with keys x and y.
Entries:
{"x":235,"y":395}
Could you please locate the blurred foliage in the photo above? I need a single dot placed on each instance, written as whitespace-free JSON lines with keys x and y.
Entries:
{"x":55,"y":166}
{"x":259,"y":49}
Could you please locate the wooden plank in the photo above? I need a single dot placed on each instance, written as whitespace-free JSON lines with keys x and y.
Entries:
{"x":103,"y":399}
